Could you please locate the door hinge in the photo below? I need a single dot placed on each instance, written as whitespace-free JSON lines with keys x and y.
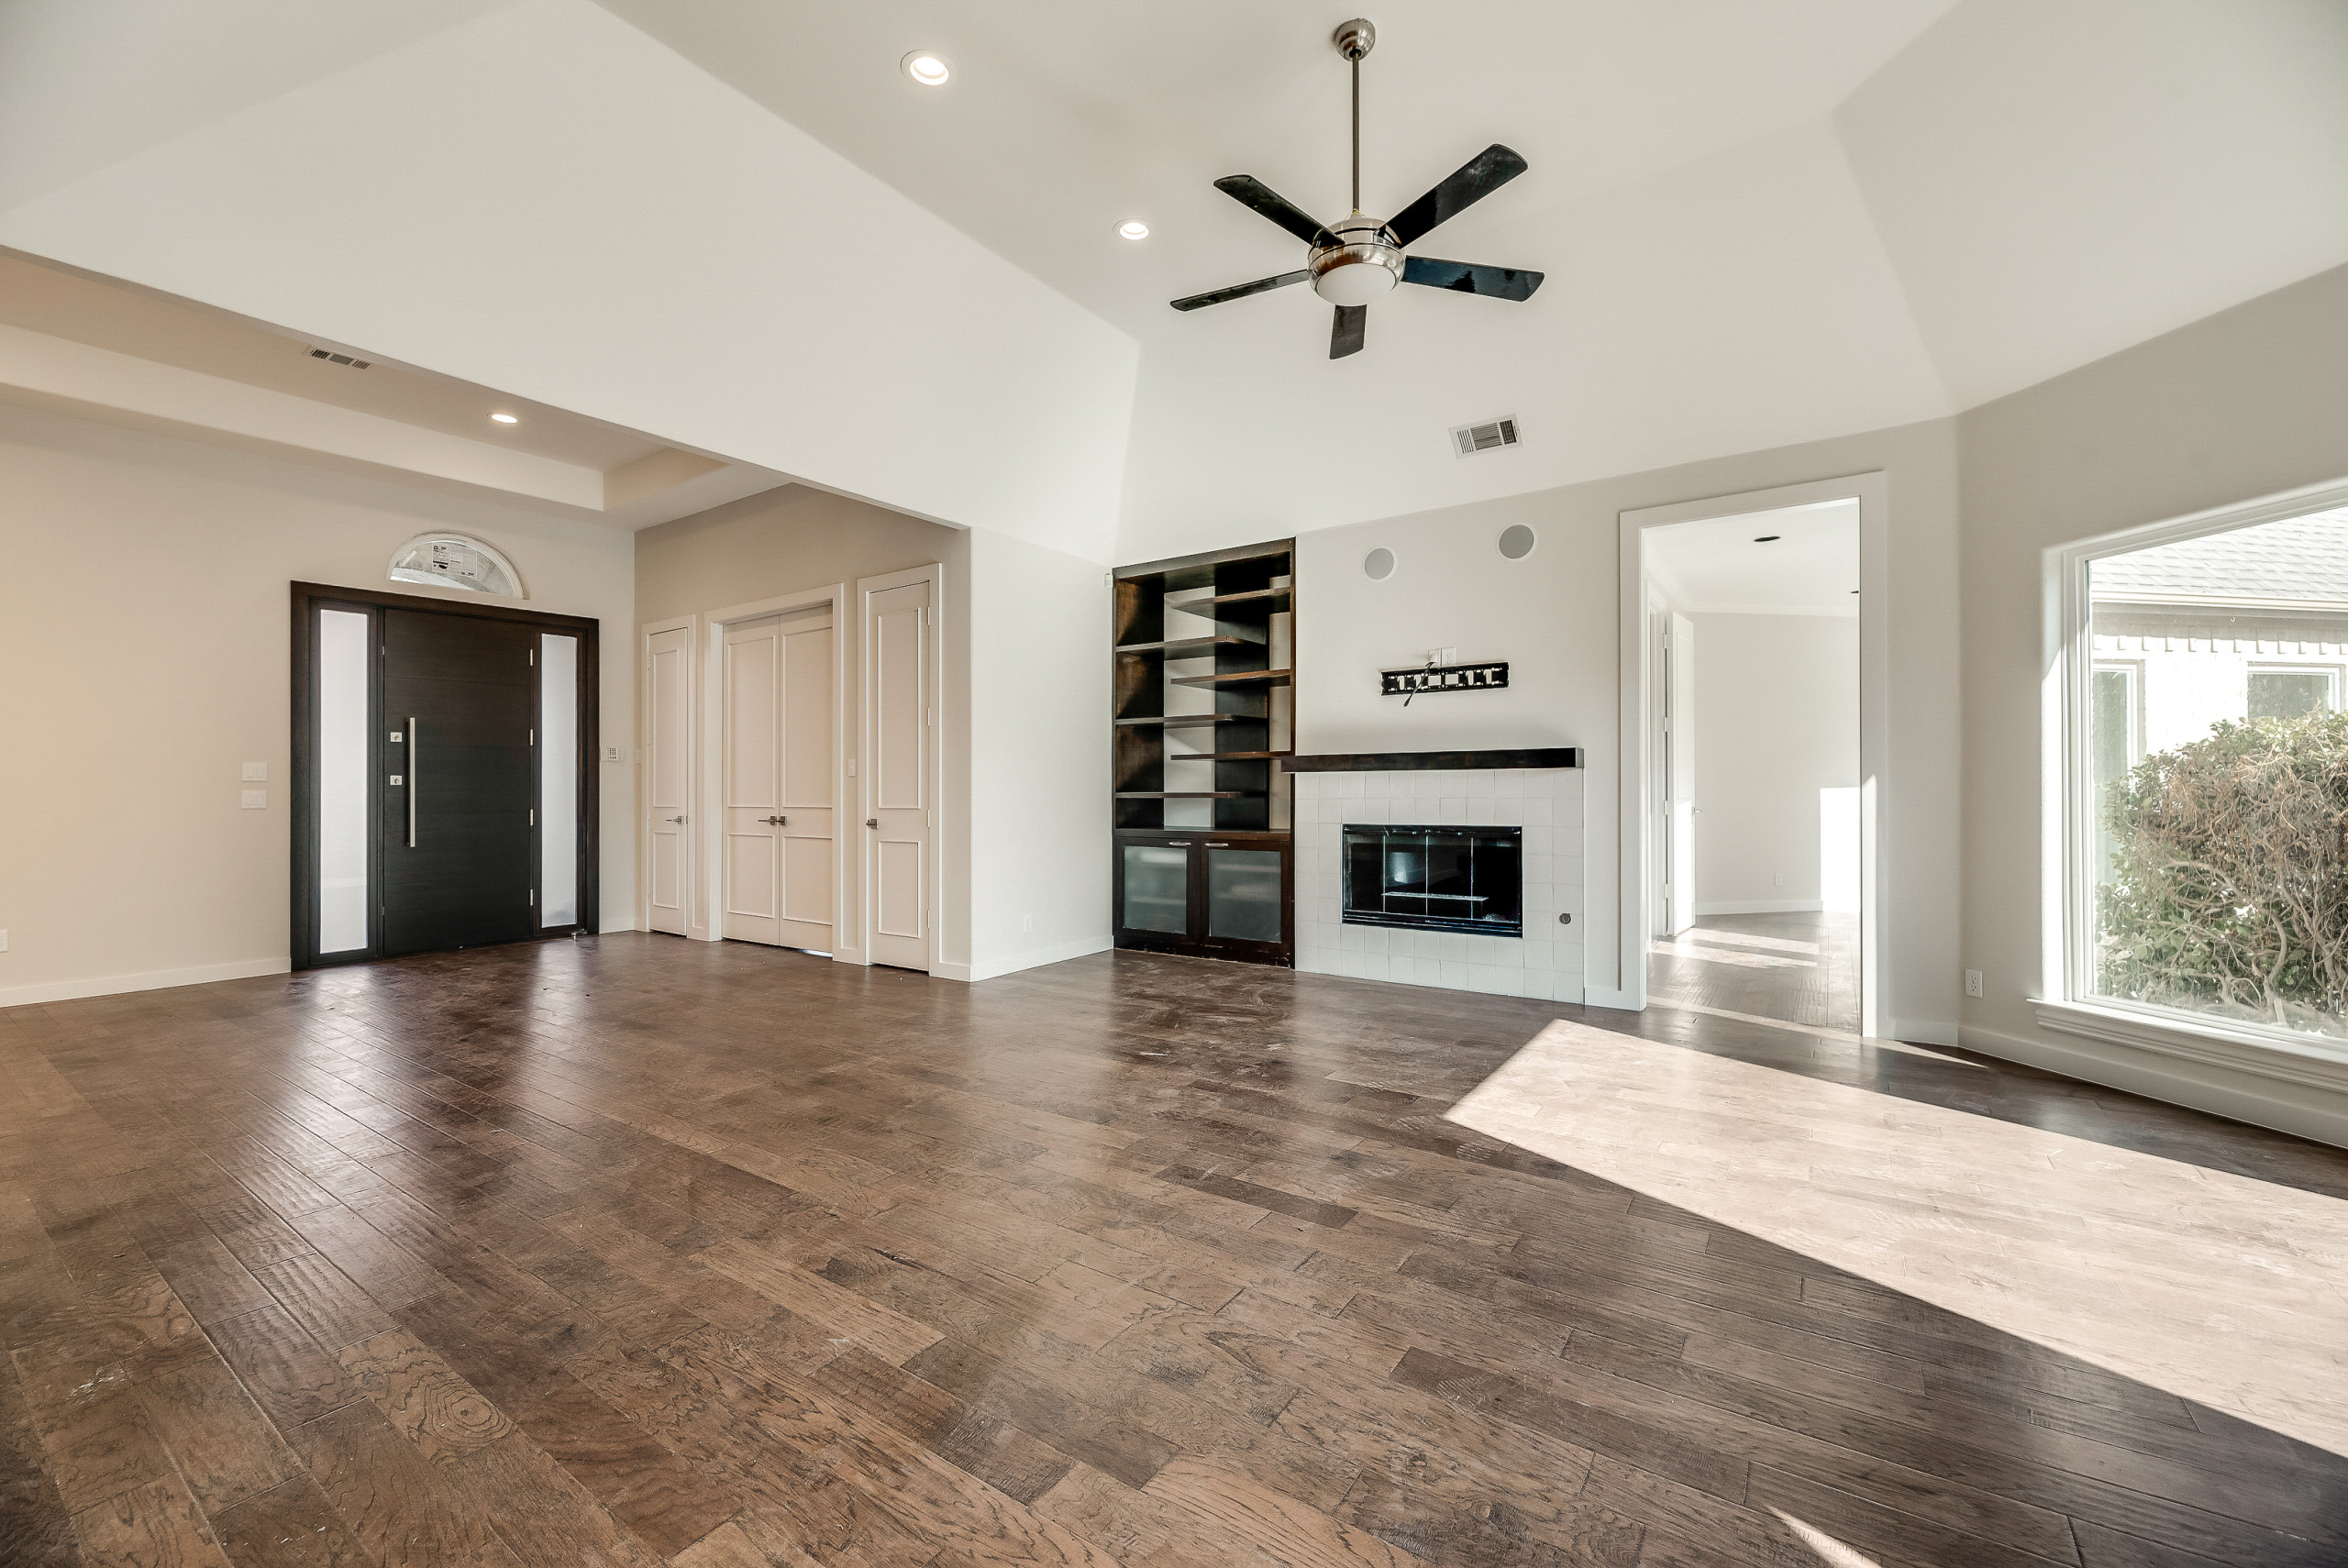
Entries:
{"x":534,"y":737}
{"x":533,"y":816}
{"x":534,"y":655}
{"x":533,"y":898}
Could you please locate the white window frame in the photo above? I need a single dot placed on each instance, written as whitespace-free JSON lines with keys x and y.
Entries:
{"x":2070,"y":1005}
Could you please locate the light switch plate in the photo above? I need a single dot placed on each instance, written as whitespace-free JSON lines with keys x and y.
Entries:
{"x":256,"y":771}
{"x":256,"y":799}
{"x":3,"y":942}
{"x":613,"y":754}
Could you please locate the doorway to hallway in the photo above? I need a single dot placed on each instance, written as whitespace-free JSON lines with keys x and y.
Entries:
{"x":443,"y":796}
{"x":1753,"y":730}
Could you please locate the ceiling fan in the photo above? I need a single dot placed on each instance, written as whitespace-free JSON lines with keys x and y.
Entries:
{"x":1358,"y":261}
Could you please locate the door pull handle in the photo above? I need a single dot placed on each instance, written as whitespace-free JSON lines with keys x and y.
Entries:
{"x":777,"y":821}
{"x":679,"y":821}
{"x":873,"y":822}
{"x":415,"y":774}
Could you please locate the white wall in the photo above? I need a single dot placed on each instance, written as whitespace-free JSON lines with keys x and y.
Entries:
{"x":145,"y":626}
{"x":1553,"y":615}
{"x":2242,"y":404}
{"x":547,"y":201}
{"x":1039,"y":755}
{"x":1776,"y":720}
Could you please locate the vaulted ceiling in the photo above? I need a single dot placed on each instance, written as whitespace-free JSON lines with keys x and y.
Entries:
{"x":739,"y":227}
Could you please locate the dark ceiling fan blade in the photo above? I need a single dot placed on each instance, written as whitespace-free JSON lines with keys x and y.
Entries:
{"x":1248,"y":191}
{"x":1241,"y":291}
{"x":1345,"y":332}
{"x":1469,"y":278}
{"x":1462,"y":189}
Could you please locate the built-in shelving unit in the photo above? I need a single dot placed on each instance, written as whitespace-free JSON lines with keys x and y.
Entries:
{"x":1201,"y":662}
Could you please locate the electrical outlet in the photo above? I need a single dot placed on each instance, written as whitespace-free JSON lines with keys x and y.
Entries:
{"x":1028,"y":925}
{"x":256,"y":772}
{"x":611,"y":753}
{"x":1778,"y":879}
{"x":3,"y":942}
{"x":1973,"y":982}
{"x":256,"y":799}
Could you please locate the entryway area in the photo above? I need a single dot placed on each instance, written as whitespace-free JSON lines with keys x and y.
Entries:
{"x":442,"y":793}
{"x":1752,"y":723}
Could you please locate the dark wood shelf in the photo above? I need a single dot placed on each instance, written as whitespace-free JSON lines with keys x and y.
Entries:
{"x":1189,"y":721}
{"x":1190,"y":795}
{"x":1224,"y":755}
{"x":1189,"y":647}
{"x":1270,"y":601}
{"x":1235,"y":680}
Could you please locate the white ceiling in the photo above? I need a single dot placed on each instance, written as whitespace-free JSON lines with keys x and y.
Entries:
{"x":255,"y":386}
{"x":1761,"y":224}
{"x":1722,"y":565}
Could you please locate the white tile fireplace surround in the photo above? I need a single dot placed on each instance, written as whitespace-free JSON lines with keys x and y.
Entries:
{"x":1546,"y":802}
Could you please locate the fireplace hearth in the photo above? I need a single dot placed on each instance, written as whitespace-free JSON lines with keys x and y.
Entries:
{"x":1433,"y":877}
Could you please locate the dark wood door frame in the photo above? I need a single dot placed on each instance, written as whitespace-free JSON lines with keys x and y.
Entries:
{"x":308,"y":599}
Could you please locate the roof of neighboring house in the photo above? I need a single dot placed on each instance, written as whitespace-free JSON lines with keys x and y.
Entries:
{"x":2297,"y":558}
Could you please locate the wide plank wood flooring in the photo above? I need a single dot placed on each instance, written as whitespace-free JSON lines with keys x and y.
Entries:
{"x":632,"y":1250}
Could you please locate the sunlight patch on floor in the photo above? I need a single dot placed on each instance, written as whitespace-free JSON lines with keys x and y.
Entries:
{"x":1747,"y":939}
{"x":1727,"y":955}
{"x":2216,"y":1288}
{"x":1813,"y":1030}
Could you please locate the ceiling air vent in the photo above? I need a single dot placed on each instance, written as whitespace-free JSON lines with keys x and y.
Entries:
{"x":1470,"y":439}
{"x":331,"y":358}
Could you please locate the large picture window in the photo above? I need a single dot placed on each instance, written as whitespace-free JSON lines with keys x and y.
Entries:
{"x":2207,"y":777}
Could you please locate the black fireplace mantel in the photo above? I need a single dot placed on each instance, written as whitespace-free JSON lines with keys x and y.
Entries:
{"x":1433,"y":761}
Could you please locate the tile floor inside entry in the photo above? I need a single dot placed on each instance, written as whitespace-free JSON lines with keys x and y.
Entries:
{"x":635,"y":1249}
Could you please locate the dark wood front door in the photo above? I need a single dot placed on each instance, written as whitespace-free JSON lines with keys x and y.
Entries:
{"x":460,"y":845}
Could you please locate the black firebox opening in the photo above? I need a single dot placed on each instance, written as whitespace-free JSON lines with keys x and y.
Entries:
{"x":1435,"y":879}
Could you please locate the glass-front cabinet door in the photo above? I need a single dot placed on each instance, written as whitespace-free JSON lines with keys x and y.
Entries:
{"x":1219,"y":894}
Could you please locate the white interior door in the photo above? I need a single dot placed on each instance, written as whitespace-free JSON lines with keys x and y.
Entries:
{"x":752,"y":779}
{"x":1679,"y":766}
{"x":900,"y":824}
{"x":668,"y":772}
{"x":779,"y":856}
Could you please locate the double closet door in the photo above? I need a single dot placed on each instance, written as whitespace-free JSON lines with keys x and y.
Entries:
{"x":781,"y":821}
{"x":440,"y":779}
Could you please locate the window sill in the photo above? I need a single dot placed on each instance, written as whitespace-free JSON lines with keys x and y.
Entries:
{"x":2213,"y":1043}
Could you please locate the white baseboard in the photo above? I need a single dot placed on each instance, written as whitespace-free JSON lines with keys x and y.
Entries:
{"x":2305,"y":1110}
{"x":1620,"y":1001}
{"x":1762,"y":906}
{"x":150,"y":980}
{"x":1034,"y":959}
{"x":1925,"y":1031}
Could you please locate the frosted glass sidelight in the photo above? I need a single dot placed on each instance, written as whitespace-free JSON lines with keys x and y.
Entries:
{"x":1244,"y":894}
{"x":344,"y":638}
{"x":1157,"y":888}
{"x":558,"y":780}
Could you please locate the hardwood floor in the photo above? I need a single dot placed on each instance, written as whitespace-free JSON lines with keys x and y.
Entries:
{"x":633,"y":1249}
{"x":1801,"y":969}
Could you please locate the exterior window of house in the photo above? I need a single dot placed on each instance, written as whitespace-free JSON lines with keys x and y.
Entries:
{"x":2290,"y":693}
{"x":2207,"y":779}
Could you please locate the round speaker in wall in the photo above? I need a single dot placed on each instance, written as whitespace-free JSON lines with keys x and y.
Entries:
{"x":1517,"y":541}
{"x":1378,"y":565}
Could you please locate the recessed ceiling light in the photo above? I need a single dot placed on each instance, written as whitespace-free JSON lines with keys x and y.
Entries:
{"x":929,"y":69}
{"x":505,"y":419}
{"x":1133,"y":228}
{"x":1766,"y":538}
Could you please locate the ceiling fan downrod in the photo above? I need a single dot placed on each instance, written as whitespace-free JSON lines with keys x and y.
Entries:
{"x":1355,"y":40}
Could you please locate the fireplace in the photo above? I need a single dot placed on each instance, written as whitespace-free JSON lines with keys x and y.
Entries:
{"x":1435,"y":879}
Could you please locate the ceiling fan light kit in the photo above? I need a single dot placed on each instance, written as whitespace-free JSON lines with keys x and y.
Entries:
{"x":1354,"y":263}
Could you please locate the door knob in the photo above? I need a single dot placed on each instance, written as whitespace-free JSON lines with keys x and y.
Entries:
{"x":778,"y":822}
{"x":679,"y":821}
{"x":873,"y":822}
